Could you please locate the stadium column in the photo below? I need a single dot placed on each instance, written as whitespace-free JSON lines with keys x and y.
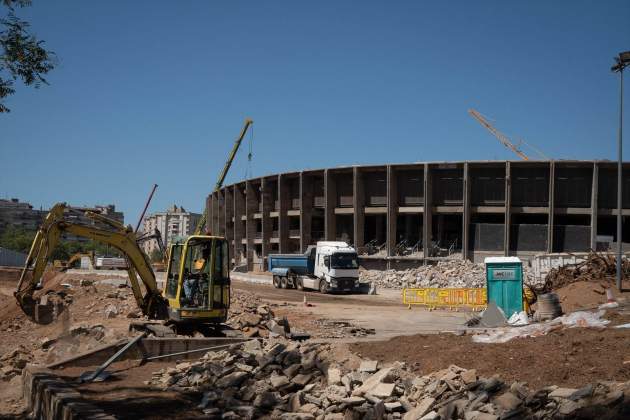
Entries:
{"x":358,"y":204}
{"x":507,"y":219}
{"x":306,"y":210}
{"x":551,"y":204}
{"x":330,"y":191}
{"x":466,"y":213}
{"x":594,"y":207}
{"x":428,"y":212}
{"x":251,"y":207}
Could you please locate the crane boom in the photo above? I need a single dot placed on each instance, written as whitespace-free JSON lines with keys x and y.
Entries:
{"x":237,"y":143}
{"x":228,"y":163}
{"x":502,"y":137}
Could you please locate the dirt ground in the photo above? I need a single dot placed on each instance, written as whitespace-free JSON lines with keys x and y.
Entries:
{"x":377,"y":327}
{"x":384,"y":313}
{"x":569,"y":357}
{"x":45,"y":344}
{"x":583,"y":295}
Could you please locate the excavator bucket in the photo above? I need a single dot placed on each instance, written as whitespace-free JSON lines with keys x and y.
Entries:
{"x":44,"y":310}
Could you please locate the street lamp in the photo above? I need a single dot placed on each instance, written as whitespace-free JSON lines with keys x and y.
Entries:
{"x":622,"y":61}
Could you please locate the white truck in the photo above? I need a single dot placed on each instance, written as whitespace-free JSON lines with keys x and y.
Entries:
{"x":110,"y":263}
{"x":329,"y":266}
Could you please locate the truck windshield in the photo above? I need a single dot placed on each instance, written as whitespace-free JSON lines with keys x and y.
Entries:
{"x":345,"y":260}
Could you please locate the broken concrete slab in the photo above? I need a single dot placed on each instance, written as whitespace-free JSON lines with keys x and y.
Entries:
{"x":508,"y":401}
{"x":493,"y":317}
{"x":368,"y":366}
{"x":372,"y":381}
{"x":333,"y":376}
{"x":421,"y":409}
{"x":562,"y":393}
{"x":382,"y":390}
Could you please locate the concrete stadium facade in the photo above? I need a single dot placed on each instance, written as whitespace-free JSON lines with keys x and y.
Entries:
{"x":402,"y":215}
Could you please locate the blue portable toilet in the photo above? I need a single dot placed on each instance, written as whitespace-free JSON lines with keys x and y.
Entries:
{"x":504,"y":283}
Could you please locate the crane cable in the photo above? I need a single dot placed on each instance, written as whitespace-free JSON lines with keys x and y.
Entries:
{"x":248,"y":171}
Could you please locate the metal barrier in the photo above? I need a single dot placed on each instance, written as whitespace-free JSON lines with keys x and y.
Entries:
{"x":431,"y":297}
{"x":10,"y":258}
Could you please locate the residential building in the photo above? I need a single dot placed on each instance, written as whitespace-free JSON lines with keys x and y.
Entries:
{"x":108,"y":210}
{"x":20,"y":214}
{"x":173,"y":224}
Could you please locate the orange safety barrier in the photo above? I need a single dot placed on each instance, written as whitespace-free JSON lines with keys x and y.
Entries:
{"x":432,"y":297}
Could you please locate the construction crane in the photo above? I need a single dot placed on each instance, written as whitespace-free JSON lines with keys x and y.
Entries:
{"x":226,"y":168}
{"x":502,"y":137}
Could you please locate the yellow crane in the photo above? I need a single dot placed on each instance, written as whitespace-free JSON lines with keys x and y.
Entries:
{"x":502,"y":137}
{"x":226,"y":168}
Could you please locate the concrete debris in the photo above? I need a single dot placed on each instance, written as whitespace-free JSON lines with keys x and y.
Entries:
{"x":12,"y":362}
{"x":276,"y":378}
{"x":253,"y":317}
{"x":444,"y":274}
{"x":111,"y":311}
{"x":340,"y":329}
{"x":493,"y":317}
{"x":597,"y":267}
{"x":368,"y":366}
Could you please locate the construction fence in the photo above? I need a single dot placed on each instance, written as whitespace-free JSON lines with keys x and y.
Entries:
{"x":10,"y":258}
{"x":453,"y":299}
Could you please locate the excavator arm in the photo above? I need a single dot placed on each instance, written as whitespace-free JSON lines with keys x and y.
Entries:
{"x":122,"y":238}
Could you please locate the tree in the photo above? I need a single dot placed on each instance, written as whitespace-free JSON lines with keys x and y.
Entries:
{"x":17,"y":239}
{"x":22,"y":55}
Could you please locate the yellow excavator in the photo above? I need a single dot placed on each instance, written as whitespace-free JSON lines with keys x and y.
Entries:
{"x":63,"y":265}
{"x":197,"y":287}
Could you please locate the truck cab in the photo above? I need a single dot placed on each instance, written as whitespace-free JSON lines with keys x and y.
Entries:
{"x":337,"y":264}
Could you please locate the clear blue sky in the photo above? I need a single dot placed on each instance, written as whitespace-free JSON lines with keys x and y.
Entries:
{"x":155,"y":91}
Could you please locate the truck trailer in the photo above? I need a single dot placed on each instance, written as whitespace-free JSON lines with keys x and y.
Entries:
{"x":329,"y":266}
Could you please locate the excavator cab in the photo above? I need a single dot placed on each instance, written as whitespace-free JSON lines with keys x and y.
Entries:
{"x":198,"y":280}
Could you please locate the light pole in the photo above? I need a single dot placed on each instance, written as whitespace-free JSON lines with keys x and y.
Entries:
{"x":622,"y":61}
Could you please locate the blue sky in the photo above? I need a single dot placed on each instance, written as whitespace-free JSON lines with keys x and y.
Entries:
{"x":155,"y":92}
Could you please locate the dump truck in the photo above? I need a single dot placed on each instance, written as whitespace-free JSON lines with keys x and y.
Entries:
{"x":329,"y":266}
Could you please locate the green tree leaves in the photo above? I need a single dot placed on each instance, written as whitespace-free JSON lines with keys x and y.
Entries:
{"x":20,"y":240}
{"x":22,"y":55}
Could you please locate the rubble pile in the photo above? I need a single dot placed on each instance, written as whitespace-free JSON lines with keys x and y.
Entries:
{"x":444,"y":274}
{"x":289,"y":380}
{"x":116,"y":302}
{"x":252,"y":316}
{"x":451,"y":273}
{"x":12,"y":362}
{"x":596,"y":267}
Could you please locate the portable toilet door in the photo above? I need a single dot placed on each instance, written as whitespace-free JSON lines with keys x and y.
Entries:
{"x":504,"y":282}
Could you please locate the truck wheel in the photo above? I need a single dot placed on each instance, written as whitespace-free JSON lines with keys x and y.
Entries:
{"x":276,"y":282}
{"x":283,"y":282}
{"x":323,"y":286}
{"x":299,"y":284}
